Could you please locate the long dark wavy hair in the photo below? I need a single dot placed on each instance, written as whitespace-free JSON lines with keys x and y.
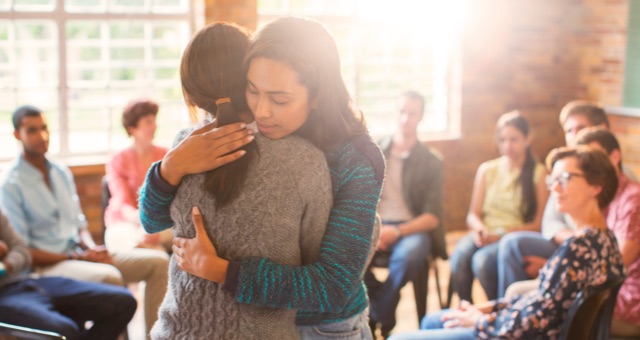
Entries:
{"x":212,"y":69}
{"x":308,"y":48}
{"x":529,"y":204}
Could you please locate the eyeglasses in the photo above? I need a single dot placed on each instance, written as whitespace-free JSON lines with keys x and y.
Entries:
{"x":563,"y":179}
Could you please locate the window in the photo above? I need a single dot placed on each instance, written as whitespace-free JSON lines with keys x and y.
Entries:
{"x":387,"y":48}
{"x":81,"y":61}
{"x":632,"y":67}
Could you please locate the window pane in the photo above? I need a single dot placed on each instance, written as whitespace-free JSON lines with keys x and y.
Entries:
{"x":128,"y":6}
{"x":88,"y":141}
{"x":126,"y":30}
{"x":35,"y":30}
{"x":170,"y":6}
{"x":85,"y":6}
{"x":127,"y":53}
{"x":5,"y":5}
{"x":83,"y":31}
{"x":34,"y":5}
{"x":87,"y":119}
{"x":4,"y":29}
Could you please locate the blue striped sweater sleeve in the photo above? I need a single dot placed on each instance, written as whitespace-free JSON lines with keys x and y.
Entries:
{"x":332,"y":287}
{"x":155,"y":200}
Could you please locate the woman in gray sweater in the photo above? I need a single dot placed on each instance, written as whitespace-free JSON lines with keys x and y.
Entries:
{"x":281,"y":185}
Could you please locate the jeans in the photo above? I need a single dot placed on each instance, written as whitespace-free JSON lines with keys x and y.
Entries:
{"x":431,"y":327}
{"x":354,"y":328}
{"x":135,"y":265}
{"x":406,"y":260}
{"x":469,"y":261}
{"x":63,"y":306}
{"x":512,"y":249}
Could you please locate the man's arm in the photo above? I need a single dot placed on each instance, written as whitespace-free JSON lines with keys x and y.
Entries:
{"x":45,"y":258}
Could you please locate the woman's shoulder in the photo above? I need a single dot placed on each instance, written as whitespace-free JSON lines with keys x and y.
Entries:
{"x":122,"y":157}
{"x":489,"y":169}
{"x":360,"y":151}
{"x":288,"y":143}
{"x":593,"y":237}
{"x":290,"y":151}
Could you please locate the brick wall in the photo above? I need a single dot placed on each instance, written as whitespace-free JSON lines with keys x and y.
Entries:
{"x":529,"y":55}
{"x":533,"y":56}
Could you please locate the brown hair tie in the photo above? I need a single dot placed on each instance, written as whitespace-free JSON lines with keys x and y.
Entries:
{"x":223,"y":100}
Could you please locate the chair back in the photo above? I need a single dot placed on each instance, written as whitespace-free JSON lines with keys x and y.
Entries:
{"x":589,"y":316}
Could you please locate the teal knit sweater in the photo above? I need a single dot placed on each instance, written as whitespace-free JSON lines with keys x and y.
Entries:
{"x":329,"y":290}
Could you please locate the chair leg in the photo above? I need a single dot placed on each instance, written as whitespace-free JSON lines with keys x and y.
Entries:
{"x":420,"y":288}
{"x":449,"y":292}
{"x":437,"y":276}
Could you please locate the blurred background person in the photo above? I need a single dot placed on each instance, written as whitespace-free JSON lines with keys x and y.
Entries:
{"x":125,"y":174}
{"x":508,"y":195}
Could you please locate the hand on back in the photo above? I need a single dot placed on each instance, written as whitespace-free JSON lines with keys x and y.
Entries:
{"x":205,"y":149}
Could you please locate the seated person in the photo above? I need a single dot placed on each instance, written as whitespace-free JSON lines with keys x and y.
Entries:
{"x":125,"y":174}
{"x":522,"y":254}
{"x":583,"y":182}
{"x":508,"y":195}
{"x":411,"y":211}
{"x":623,"y":218}
{"x":40,"y":200}
{"x":56,"y":304}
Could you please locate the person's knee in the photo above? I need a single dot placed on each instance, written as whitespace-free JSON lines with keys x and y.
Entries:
{"x":109,"y":275}
{"x":126,"y":303}
{"x":509,"y":246}
{"x":483,"y":264}
{"x":66,"y":327}
{"x":160,"y":264}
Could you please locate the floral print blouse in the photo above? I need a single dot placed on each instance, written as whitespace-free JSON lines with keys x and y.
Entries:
{"x":588,"y":259}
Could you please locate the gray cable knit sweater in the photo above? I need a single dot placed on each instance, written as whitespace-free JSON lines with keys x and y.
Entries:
{"x":281,"y":214}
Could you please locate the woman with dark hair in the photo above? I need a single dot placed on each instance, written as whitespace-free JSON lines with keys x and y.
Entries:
{"x":293,"y":68}
{"x":508,"y":195}
{"x":273,"y":202}
{"x":125,"y":174}
{"x":583,"y":182}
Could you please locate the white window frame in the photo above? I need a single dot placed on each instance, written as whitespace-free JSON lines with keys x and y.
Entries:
{"x":450,"y":102}
{"x":60,"y":17}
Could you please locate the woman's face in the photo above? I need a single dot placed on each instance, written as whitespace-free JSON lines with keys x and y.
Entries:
{"x":569,"y":187}
{"x":146,"y":128}
{"x":279,"y":103}
{"x":512,"y":142}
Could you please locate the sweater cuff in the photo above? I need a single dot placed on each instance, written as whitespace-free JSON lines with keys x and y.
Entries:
{"x":160,"y":182}
{"x":232,"y":279}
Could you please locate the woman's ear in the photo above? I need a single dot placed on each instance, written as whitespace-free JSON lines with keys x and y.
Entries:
{"x":595,"y":190}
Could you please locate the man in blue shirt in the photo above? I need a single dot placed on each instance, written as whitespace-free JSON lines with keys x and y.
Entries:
{"x":57,"y":304}
{"x":40,"y":200}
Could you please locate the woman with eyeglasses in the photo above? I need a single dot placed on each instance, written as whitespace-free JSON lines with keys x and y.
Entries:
{"x":508,"y":195}
{"x":583,"y":182}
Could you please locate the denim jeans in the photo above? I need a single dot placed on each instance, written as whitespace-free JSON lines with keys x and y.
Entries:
{"x":354,"y":328}
{"x":512,"y":249}
{"x":469,"y":261}
{"x":406,"y":260}
{"x":431,"y":327}
{"x":63,"y":306}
